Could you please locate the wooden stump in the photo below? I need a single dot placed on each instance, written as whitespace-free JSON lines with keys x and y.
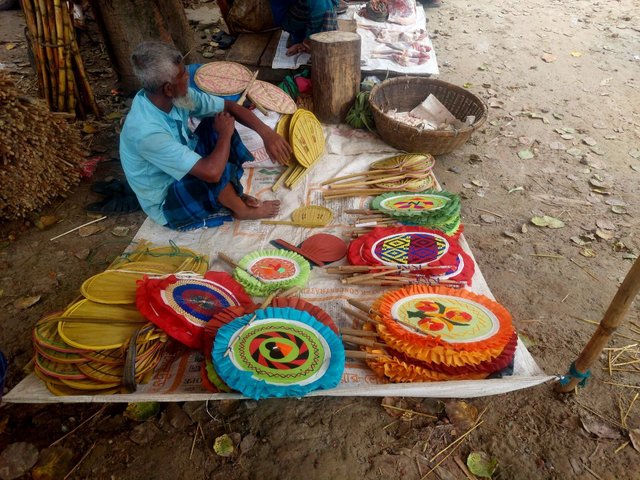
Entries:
{"x":335,"y":73}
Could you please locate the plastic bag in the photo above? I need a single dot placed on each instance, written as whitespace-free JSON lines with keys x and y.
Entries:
{"x":402,"y":12}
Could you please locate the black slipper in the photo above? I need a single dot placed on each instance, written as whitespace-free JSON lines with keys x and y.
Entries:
{"x":223,"y":40}
{"x":107,"y":187}
{"x":115,"y":204}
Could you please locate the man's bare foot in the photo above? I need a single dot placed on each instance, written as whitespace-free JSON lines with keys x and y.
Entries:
{"x":267,"y":209}
{"x":250,"y":201}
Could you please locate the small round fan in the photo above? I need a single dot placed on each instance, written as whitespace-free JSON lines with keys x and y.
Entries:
{"x":222,"y":78}
{"x":309,"y":216}
{"x":281,"y":353}
{"x":271,"y":270}
{"x":403,"y":204}
{"x":271,"y":97}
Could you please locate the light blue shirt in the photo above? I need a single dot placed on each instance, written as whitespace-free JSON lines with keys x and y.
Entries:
{"x":157,"y":148}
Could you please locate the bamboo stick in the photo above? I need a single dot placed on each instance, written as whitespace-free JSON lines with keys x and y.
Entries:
{"x":71,"y":83}
{"x":85,"y":86}
{"x":41,"y":56}
{"x":60,"y":62}
{"x":359,"y":315}
{"x":283,"y":176}
{"x":49,"y":31}
{"x":354,"y":332}
{"x":365,"y":342}
{"x":360,"y":355}
{"x":610,"y":322}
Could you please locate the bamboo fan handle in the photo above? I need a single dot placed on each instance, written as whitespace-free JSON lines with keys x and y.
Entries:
{"x":243,"y":97}
{"x":260,"y":107}
{"x":279,"y":222}
{"x":227,"y":259}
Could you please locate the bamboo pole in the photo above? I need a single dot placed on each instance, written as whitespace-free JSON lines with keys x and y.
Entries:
{"x":71,"y":81}
{"x":60,"y":62}
{"x":41,"y":55}
{"x":85,"y":86}
{"x":49,"y":32}
{"x":612,"y":319}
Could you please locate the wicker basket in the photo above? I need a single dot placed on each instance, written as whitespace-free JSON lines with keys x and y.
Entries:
{"x":405,"y":93}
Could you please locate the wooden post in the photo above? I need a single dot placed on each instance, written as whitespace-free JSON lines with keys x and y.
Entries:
{"x":335,"y":73}
{"x":608,"y":325}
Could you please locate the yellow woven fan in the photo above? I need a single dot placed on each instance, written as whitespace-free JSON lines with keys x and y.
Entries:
{"x":307,"y":138}
{"x":97,"y":334}
{"x":282,"y":127}
{"x":310,"y":216}
{"x":407,"y":161}
{"x":88,"y":309}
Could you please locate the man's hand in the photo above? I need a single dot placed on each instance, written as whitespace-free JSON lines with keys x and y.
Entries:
{"x":298,"y":48}
{"x":277,"y":147}
{"x":224,"y":124}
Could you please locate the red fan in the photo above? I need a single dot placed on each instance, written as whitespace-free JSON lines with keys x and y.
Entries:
{"x":320,"y":249}
{"x":300,"y":304}
{"x":182,"y":306}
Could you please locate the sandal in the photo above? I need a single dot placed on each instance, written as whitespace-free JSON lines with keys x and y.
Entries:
{"x":115,"y":204}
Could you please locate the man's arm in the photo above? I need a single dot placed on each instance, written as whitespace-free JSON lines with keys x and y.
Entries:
{"x":211,"y":167}
{"x":277,"y":147}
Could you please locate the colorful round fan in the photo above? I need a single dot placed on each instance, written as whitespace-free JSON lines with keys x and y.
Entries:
{"x":223,"y":78}
{"x":271,"y":97}
{"x":443,"y":325}
{"x":271,"y":270}
{"x":411,"y":246}
{"x":306,"y":138}
{"x":182,"y":306}
{"x":283,"y":352}
{"x":424,"y":205}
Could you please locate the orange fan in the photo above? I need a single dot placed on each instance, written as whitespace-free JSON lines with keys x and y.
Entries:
{"x":320,"y":249}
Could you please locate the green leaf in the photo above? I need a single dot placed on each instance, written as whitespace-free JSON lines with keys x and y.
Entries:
{"x":416,"y":314}
{"x":441,"y":307}
{"x":223,"y":446}
{"x":525,"y":154}
{"x":547,"y":221}
{"x":141,"y":411}
{"x":481,"y":465}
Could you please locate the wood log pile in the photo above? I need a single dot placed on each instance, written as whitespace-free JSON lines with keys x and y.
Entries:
{"x":40,"y":153}
{"x":62,"y":79}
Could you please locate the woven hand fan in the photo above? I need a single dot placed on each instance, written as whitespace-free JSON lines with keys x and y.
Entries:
{"x":99,"y":334}
{"x":450,"y":323}
{"x":87,"y":309}
{"x":282,"y":127}
{"x":282,"y":353}
{"x":411,"y":246}
{"x":182,"y":306}
{"x":306,"y":138}
{"x":271,"y":97}
{"x":271,"y":270}
{"x":319,"y":249}
{"x":64,"y":390}
{"x":172,"y":258}
{"x":409,"y":160}
{"x":46,"y":335}
{"x":427,"y":204}
{"x":410,"y":185}
{"x":309,"y":216}
{"x":59,"y":371}
{"x":116,"y":287}
{"x":222,"y":78}
{"x":313,"y":310}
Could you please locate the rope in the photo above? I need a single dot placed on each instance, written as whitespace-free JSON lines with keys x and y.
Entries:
{"x":574,"y":373}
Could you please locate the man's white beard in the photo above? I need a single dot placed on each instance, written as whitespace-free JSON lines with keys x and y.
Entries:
{"x":185,"y":102}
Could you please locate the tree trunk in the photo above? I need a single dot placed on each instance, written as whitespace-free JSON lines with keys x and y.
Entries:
{"x":335,"y":73}
{"x":126,"y":23}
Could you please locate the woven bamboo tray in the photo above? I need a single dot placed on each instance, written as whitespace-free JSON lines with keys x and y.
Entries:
{"x":405,"y":93}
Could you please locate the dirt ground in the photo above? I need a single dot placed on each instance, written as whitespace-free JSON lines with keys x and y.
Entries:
{"x":561,"y":79}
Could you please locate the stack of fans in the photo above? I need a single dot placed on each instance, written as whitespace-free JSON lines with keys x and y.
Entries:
{"x":285,"y":350}
{"x":409,"y":172}
{"x":304,"y":133}
{"x":424,"y":255}
{"x":102,"y":344}
{"x":437,"y":333}
{"x":432,"y":209}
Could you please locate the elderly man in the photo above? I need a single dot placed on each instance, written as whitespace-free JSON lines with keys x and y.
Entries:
{"x":185,"y":179}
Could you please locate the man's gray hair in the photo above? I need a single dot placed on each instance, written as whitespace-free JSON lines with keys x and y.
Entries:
{"x":155,"y":63}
